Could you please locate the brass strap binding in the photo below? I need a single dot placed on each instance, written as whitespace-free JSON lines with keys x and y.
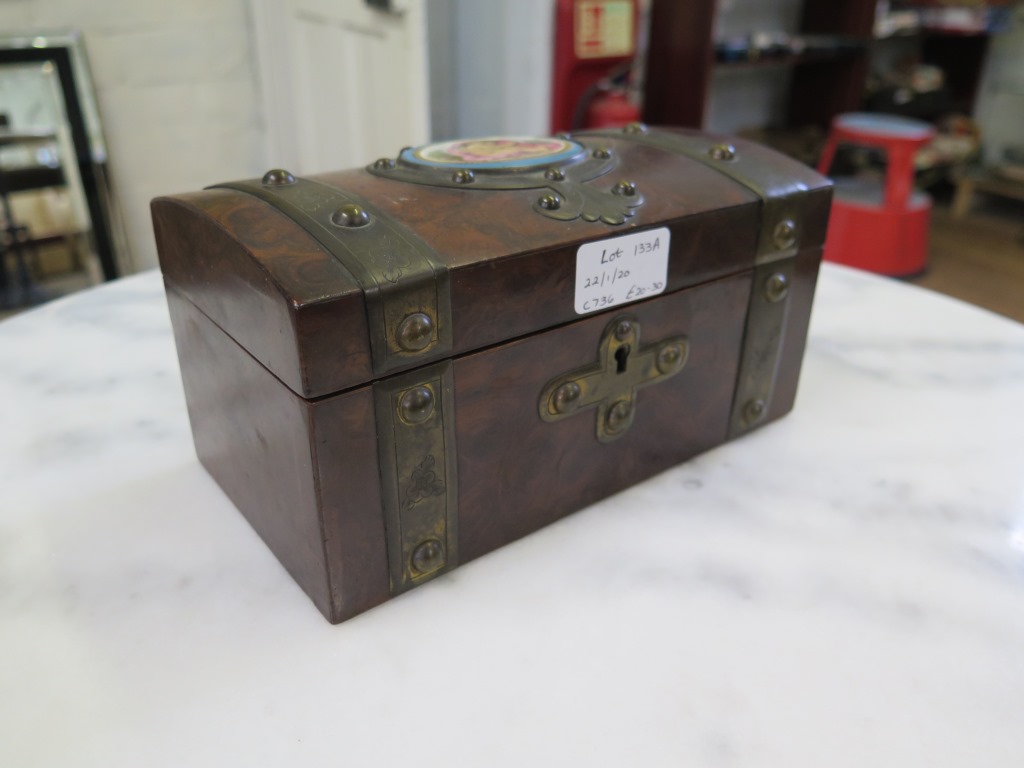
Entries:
{"x":408,"y":302}
{"x":781,"y":196}
{"x":767,"y":313}
{"x":416,"y":444}
{"x":408,"y":307}
{"x":778,"y":243}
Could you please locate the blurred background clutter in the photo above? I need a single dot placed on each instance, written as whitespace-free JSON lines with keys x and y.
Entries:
{"x":107,"y":104}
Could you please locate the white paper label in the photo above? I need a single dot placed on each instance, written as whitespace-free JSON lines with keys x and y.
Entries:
{"x":621,"y":269}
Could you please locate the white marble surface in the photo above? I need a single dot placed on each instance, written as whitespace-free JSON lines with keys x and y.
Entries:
{"x":843,"y":588}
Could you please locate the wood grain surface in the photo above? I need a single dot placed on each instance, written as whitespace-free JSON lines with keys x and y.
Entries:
{"x":269,"y":285}
{"x":273,"y":340}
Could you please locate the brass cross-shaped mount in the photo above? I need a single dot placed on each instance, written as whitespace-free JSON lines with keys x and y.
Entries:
{"x":610,"y":385}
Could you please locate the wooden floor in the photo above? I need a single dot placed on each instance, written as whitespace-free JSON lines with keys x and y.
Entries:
{"x":980,"y":257}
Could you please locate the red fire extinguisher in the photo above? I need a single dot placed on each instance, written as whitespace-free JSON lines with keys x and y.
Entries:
{"x":595,"y":46}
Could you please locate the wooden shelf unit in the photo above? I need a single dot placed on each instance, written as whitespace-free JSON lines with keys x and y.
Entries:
{"x":681,"y":62}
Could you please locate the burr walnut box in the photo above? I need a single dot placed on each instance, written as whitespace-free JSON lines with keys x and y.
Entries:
{"x":396,"y":369}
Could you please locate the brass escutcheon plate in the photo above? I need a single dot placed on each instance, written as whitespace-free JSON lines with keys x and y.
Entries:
{"x":610,"y":385}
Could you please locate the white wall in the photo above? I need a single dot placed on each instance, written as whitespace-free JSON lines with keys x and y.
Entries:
{"x":176,"y":89}
{"x":1000,"y":107}
{"x":498,"y":74}
{"x":443,"y":68}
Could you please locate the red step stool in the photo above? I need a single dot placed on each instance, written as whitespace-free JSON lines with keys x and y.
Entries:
{"x":876,"y":227}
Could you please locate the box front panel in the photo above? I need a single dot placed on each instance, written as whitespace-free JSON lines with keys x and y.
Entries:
{"x":518,"y":471}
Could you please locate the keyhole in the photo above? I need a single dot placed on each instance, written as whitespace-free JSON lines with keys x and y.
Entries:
{"x":621,"y":356}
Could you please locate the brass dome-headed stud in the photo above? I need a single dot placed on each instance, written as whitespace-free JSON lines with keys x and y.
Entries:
{"x":384,"y":164}
{"x":618,"y":416}
{"x":635,"y":128}
{"x":415,"y":332}
{"x":549,"y":202}
{"x":416,"y":405}
{"x":554,"y":174}
{"x":670,"y":357}
{"x":625,"y":189}
{"x":723,"y":152}
{"x":784,"y":234}
{"x":427,"y":557}
{"x":602,"y":153}
{"x":566,"y":398}
{"x":463,"y":176}
{"x":776,"y":287}
{"x":278,"y":177}
{"x":350,"y":216}
{"x":754,"y":410}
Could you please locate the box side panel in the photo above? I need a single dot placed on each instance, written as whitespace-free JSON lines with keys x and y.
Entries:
{"x":252,"y":435}
{"x":268,"y":285}
{"x":345,"y":435}
{"x":518,"y":472}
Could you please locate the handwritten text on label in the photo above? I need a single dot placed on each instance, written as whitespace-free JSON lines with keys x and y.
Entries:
{"x":621,"y":269}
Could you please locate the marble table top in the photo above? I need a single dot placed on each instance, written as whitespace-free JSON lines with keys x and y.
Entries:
{"x":842,"y":588}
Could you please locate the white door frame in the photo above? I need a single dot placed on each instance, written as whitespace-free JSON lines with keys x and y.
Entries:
{"x":288,"y":104}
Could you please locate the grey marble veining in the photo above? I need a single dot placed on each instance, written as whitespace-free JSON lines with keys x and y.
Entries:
{"x":842,"y":588}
